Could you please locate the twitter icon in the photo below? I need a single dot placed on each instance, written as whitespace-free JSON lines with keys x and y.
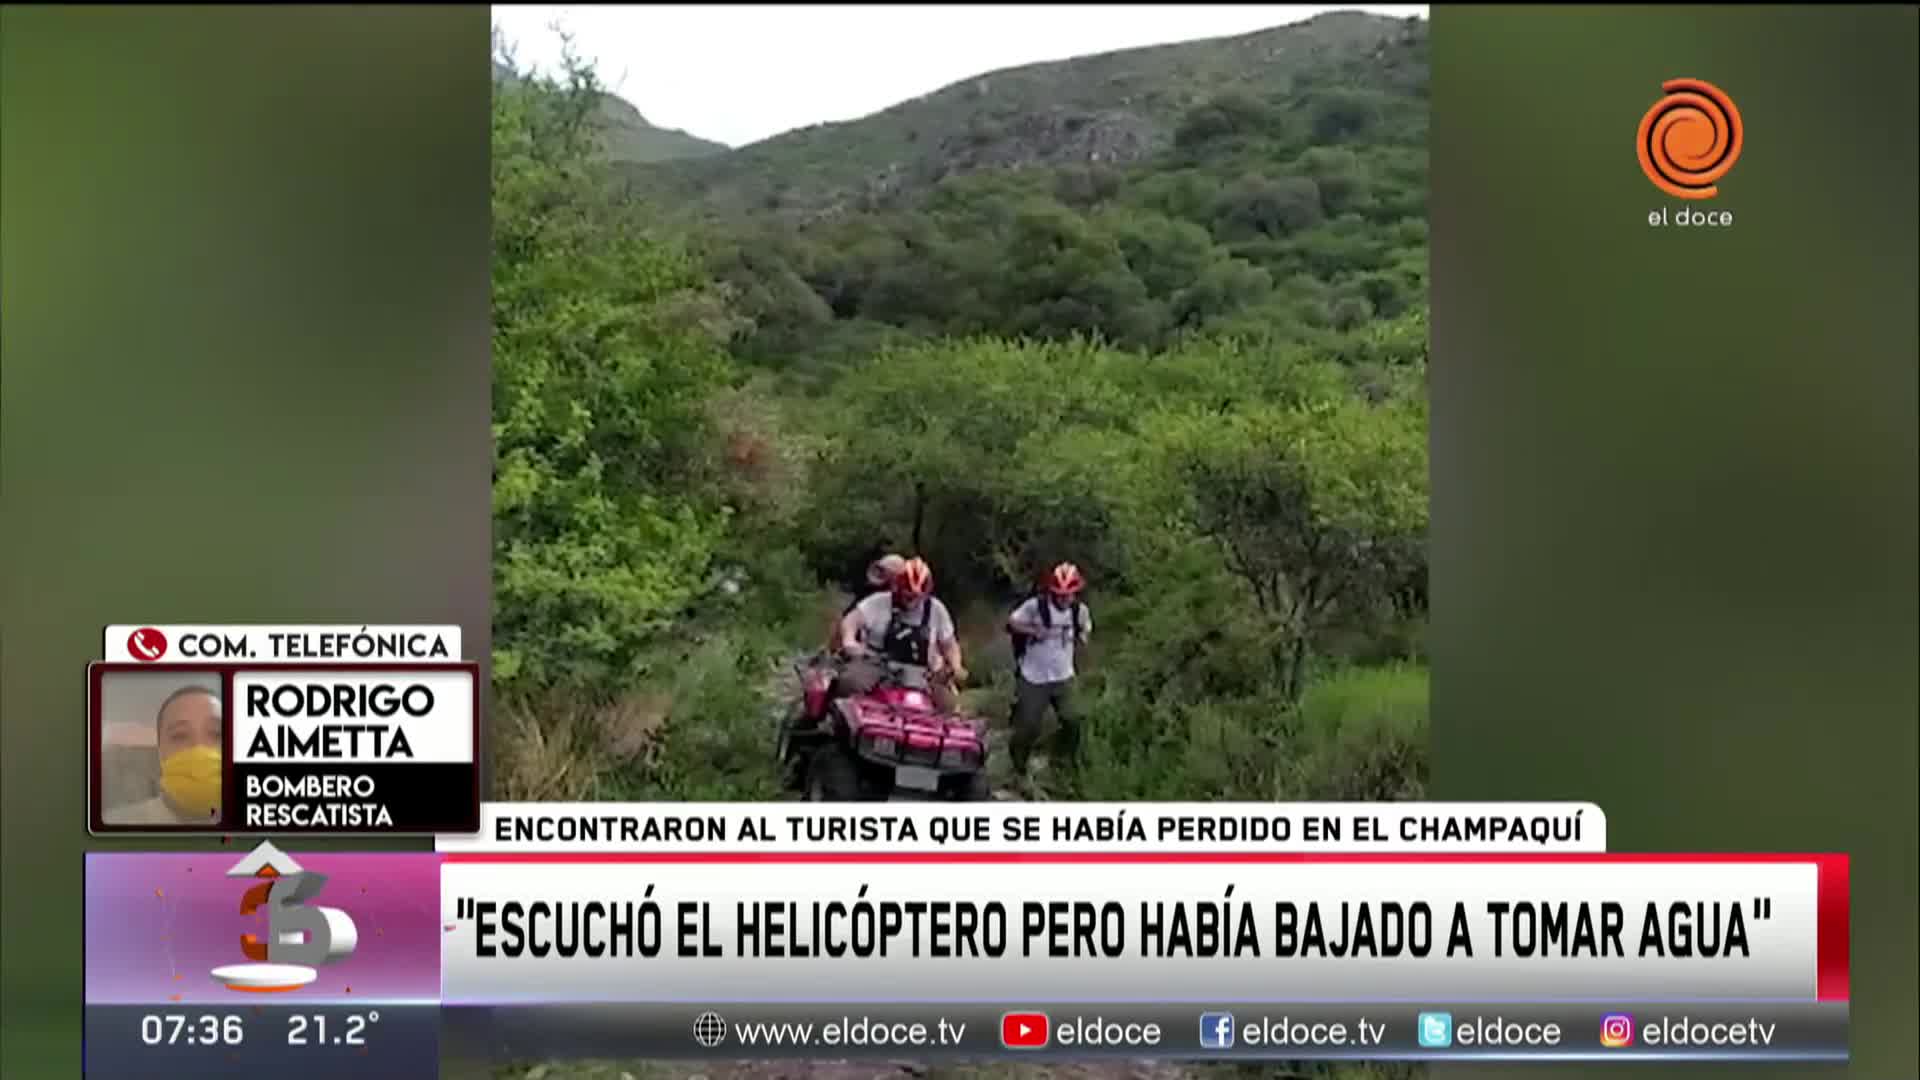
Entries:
{"x":1436,"y":1030}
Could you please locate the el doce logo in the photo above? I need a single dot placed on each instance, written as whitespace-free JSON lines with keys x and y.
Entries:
{"x":1690,"y":139}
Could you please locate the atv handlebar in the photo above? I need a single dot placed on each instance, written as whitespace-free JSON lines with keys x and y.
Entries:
{"x":896,"y":672}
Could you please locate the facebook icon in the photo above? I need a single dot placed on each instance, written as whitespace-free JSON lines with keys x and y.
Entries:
{"x":1216,"y":1031}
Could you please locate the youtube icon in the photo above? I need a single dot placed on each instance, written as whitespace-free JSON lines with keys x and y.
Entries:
{"x":1023,"y":1030}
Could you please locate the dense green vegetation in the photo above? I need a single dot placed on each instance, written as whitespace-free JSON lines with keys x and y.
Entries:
{"x":1195,"y":366}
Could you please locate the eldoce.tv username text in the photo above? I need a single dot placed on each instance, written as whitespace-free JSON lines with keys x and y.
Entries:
{"x":846,"y":1032}
{"x":1222,"y":1030}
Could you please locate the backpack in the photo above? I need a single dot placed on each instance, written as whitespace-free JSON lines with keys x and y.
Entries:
{"x":1021,"y":641}
{"x":917,"y":639}
{"x":908,"y":643}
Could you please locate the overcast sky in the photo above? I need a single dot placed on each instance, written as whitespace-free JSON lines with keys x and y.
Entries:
{"x":741,"y":74}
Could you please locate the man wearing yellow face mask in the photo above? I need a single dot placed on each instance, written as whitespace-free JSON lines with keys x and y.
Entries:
{"x":188,"y":732}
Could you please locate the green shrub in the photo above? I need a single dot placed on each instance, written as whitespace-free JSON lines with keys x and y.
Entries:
{"x":1364,"y":736}
{"x":717,"y":741}
{"x":601,"y":372}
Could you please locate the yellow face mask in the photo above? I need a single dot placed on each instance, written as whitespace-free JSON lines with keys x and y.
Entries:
{"x":191,"y":781}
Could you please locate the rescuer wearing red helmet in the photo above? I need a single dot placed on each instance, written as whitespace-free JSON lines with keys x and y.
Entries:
{"x":1046,"y":629}
{"x":906,"y":625}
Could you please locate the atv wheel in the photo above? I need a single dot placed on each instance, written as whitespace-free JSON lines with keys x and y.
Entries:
{"x":833,"y":777}
{"x":791,"y":766}
{"x":974,"y":788}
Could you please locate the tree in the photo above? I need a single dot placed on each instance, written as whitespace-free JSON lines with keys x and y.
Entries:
{"x":933,"y":441}
{"x":1341,"y":178}
{"x":604,"y":357}
{"x":1083,"y":186}
{"x":1224,"y":116}
{"x":1350,"y":311}
{"x":1165,"y":254}
{"x":1223,"y":288}
{"x":1340,"y":113}
{"x":1261,"y":206}
{"x":1317,"y":508}
{"x":1059,"y":277}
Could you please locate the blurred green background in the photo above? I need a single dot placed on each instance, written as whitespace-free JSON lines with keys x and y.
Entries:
{"x":245,"y":374}
{"x":1674,"y":530}
{"x":1674,"y":543}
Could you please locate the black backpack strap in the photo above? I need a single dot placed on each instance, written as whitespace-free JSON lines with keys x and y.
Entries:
{"x":922,"y":631}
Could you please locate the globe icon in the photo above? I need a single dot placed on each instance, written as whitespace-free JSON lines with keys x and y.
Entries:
{"x":709,"y":1030}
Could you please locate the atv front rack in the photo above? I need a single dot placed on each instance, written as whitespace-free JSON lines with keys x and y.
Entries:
{"x":895,"y":736}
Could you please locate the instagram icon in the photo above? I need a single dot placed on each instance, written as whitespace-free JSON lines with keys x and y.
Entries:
{"x":1616,"y":1031}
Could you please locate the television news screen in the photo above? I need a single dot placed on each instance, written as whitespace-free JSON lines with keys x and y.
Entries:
{"x":1111,"y":543}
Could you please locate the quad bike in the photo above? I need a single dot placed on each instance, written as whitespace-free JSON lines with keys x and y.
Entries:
{"x":890,"y":743}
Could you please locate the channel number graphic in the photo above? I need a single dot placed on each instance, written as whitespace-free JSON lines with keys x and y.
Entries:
{"x":299,"y":937}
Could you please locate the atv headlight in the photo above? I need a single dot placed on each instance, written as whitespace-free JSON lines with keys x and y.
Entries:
{"x":883,"y":747}
{"x":956,"y":758}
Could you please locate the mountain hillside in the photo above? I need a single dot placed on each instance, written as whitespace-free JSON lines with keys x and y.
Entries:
{"x":1108,"y":109}
{"x":1161,"y":313}
{"x":1270,"y":186}
{"x":628,"y":138}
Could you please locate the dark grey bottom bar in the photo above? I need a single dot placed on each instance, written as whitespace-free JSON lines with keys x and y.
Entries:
{"x":1277,"y":1031}
{"x":283,"y":1041}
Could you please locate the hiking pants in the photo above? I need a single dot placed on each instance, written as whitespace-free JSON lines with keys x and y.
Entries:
{"x":1030,"y":704}
{"x":861,"y":676}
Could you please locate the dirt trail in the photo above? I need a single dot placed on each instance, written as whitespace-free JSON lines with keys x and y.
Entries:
{"x":779,"y":690}
{"x":781,"y":687}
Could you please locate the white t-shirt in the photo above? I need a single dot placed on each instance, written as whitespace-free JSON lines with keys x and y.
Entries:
{"x":876,"y":614}
{"x":154,"y":811}
{"x":1049,"y":656}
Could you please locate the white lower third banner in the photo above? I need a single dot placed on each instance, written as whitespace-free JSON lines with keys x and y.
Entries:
{"x":844,"y":829}
{"x":603,"y":927}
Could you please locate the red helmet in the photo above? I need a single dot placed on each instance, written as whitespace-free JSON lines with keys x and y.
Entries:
{"x":1065,"y":580}
{"x":913,"y":580}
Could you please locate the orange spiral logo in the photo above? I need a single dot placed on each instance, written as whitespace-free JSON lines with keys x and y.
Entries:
{"x":1690,"y":139}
